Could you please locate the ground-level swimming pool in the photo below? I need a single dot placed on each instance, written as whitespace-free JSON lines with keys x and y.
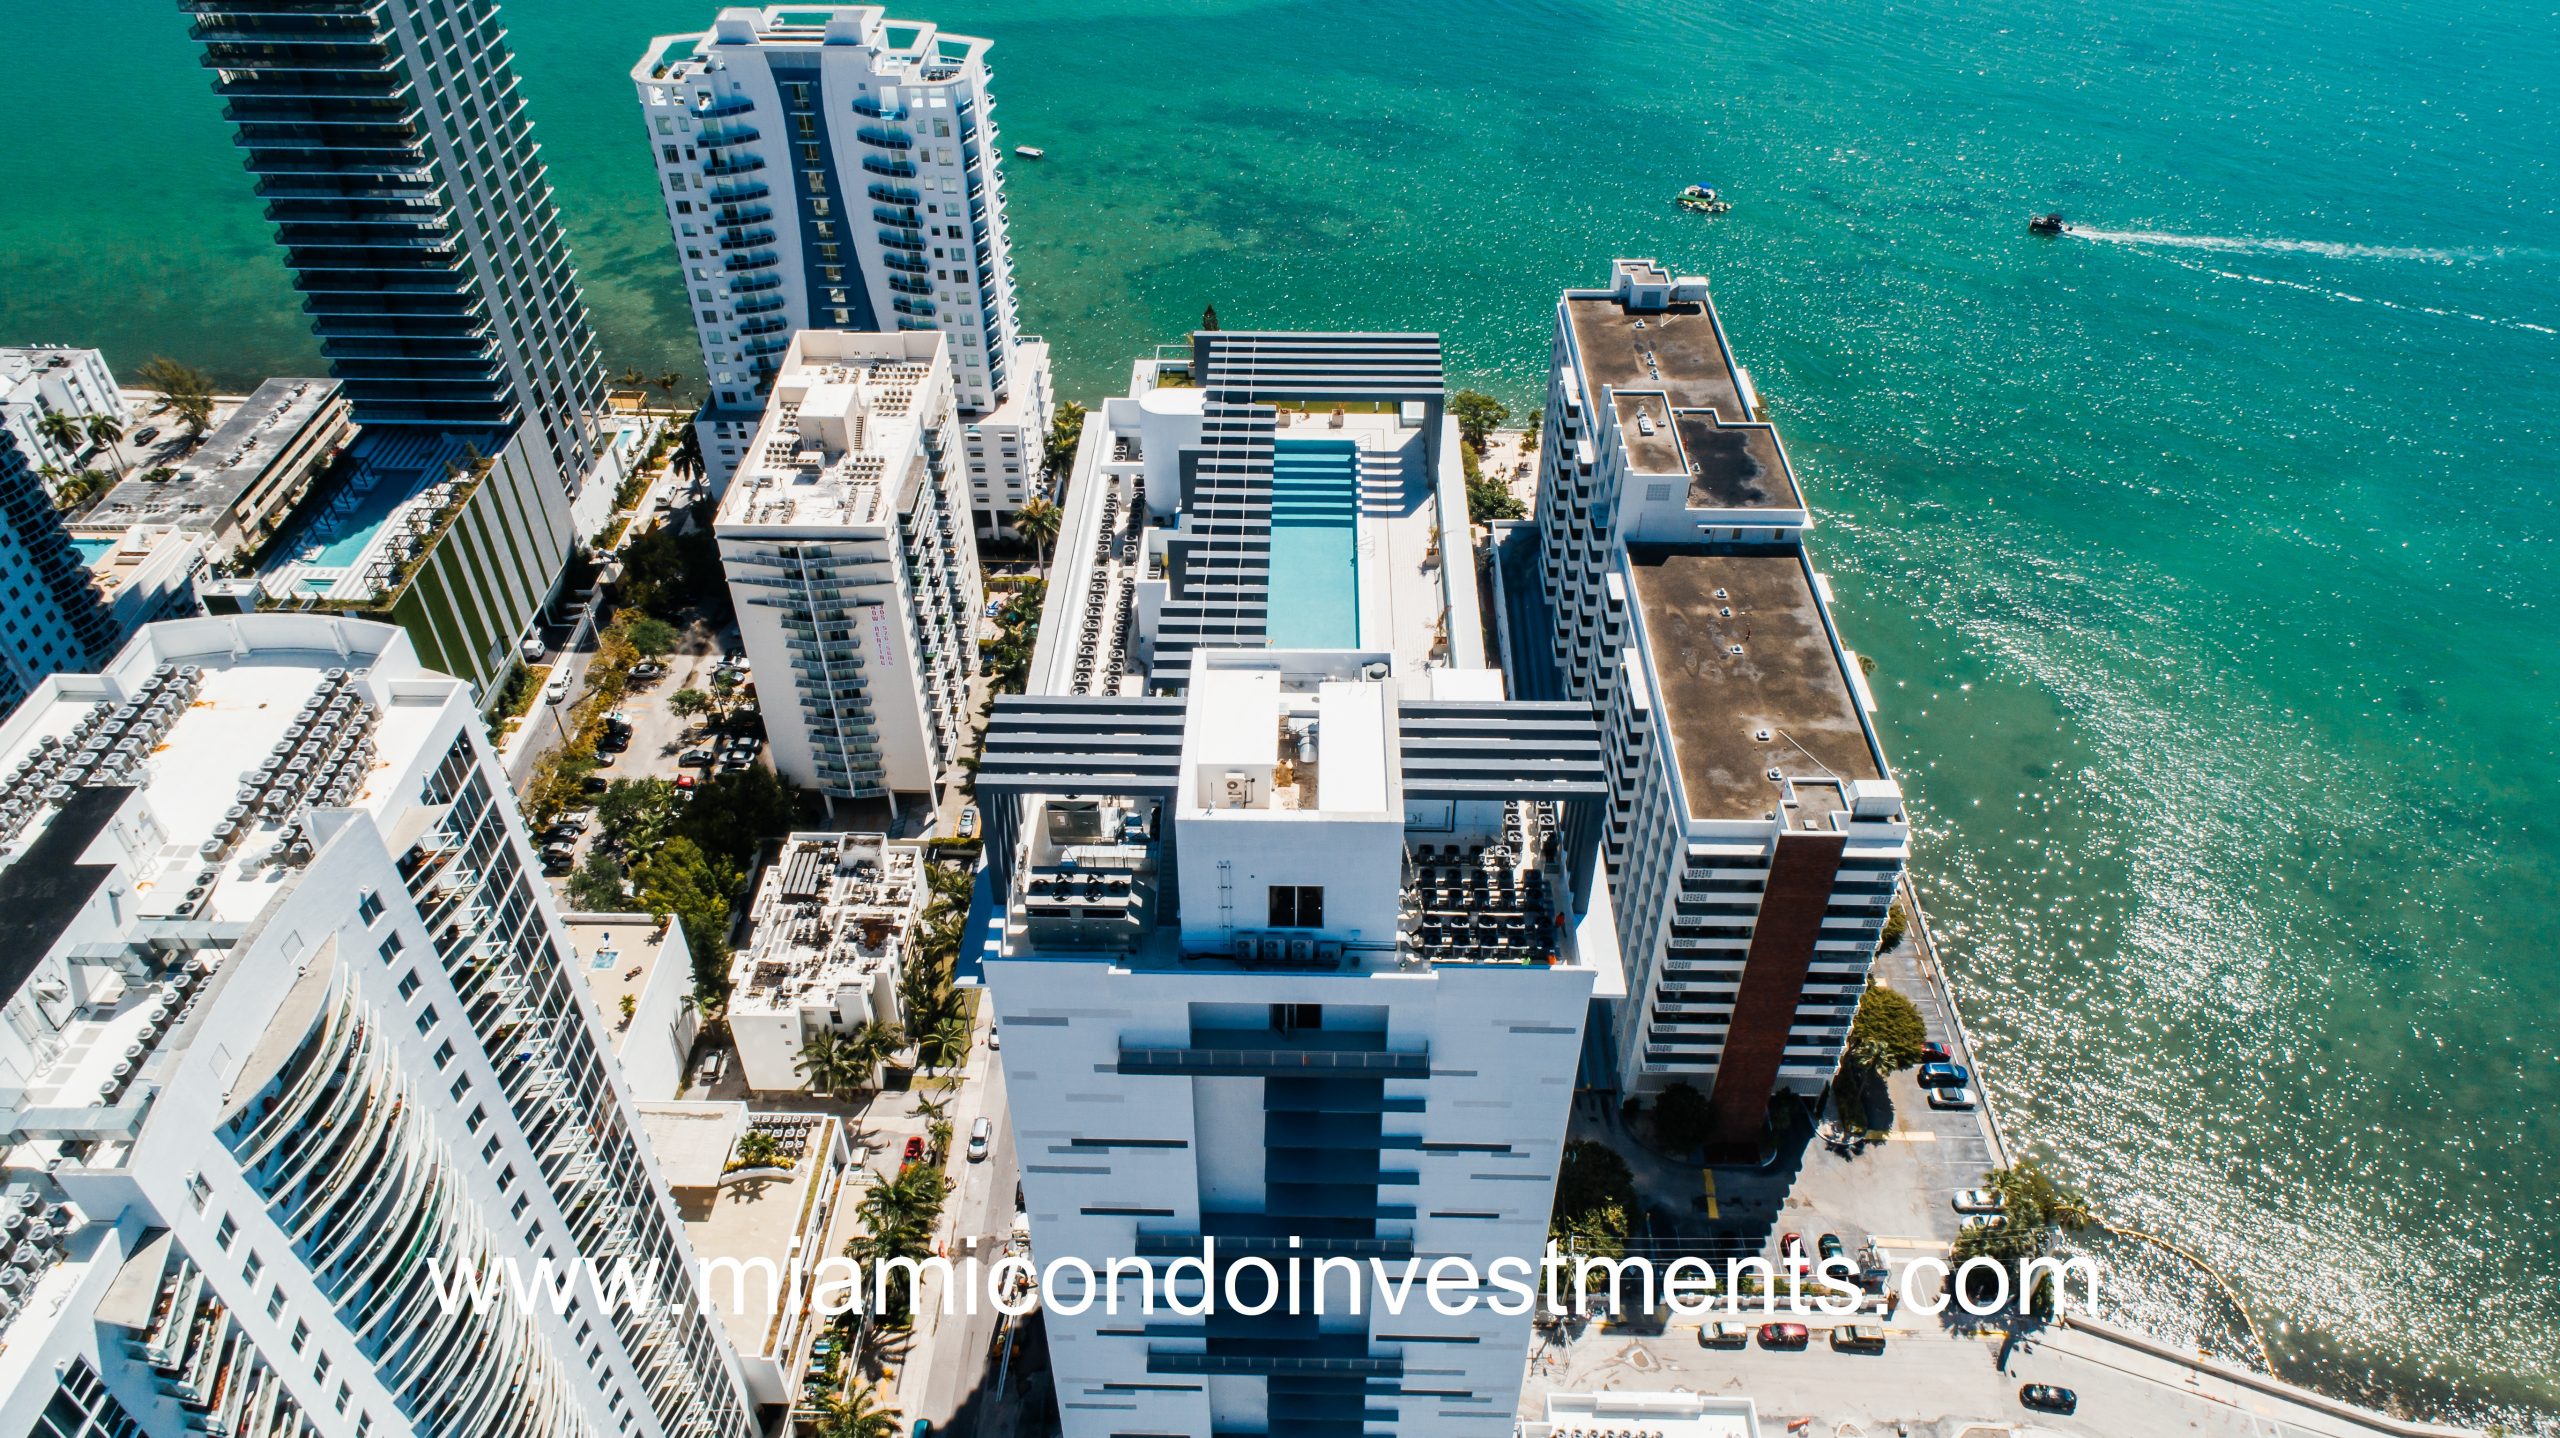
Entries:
{"x":1315,"y":545}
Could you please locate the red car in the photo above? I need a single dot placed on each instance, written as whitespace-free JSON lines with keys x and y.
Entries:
{"x":684,"y":781}
{"x":1784,"y":1335}
{"x":915,"y":1151}
{"x":1934,"y":1052}
{"x":1791,"y":1251}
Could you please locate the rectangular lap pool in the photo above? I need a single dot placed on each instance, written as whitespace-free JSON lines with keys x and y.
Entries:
{"x":1315,"y":545}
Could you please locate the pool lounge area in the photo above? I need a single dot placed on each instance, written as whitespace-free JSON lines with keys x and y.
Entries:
{"x":1315,"y":545}
{"x":353,"y":539}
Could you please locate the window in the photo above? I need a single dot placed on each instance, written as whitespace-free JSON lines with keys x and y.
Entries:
{"x":391,"y":946}
{"x":251,"y":1269}
{"x":444,"y":1054}
{"x":408,"y":983}
{"x":225,"y":1232}
{"x":426,"y":1020}
{"x":478,"y":1117}
{"x":301,"y":1335}
{"x":275,"y":1305}
{"x":368,"y":906}
{"x":1297,"y":906}
{"x":197,"y":1188}
{"x":1294,"y":1018}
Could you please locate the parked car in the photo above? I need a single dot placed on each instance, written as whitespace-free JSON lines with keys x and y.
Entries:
{"x":1856,"y":1338}
{"x":148,"y":433}
{"x":1980,"y":1200}
{"x":2049,"y":1398}
{"x":1958,"y":1097}
{"x":1724,"y":1335}
{"x":1934,"y":1052}
{"x":737,"y":659}
{"x":1791,"y":1251}
{"x":1944,"y":1076}
{"x":648,"y":669}
{"x":556,"y":690}
{"x":995,"y":1038}
{"x":1984,"y":1220}
{"x":577,"y":819}
{"x":1830,"y":1246}
{"x":685,"y":781}
{"x":559,"y":834}
{"x":915,"y":1150}
{"x":694,"y":759}
{"x":969,"y":822}
{"x":981,"y":1138}
{"x":1784,"y":1335}
{"x":554,"y":865}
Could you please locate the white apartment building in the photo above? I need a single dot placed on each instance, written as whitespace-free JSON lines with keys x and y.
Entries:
{"x":846,"y":540}
{"x":1302,"y":916}
{"x":827,"y":167}
{"x":286,"y":1021}
{"x":826,"y":946}
{"x":241,"y":486}
{"x":37,"y":380}
{"x":1756,"y":831}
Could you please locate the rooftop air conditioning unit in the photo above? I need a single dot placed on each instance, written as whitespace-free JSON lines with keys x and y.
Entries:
{"x":1302,"y":950}
{"x":1236,"y":787}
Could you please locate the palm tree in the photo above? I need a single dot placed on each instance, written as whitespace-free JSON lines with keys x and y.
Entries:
{"x":62,"y":429}
{"x":184,"y":390}
{"x":946,"y":1044}
{"x":632,"y":378}
{"x":758,"y":1149}
{"x":1038,"y":521}
{"x":935,"y":1110}
{"x":857,"y":1415}
{"x":106,"y":431}
{"x":688,"y":455}
{"x":668,"y":380}
{"x":868,"y":1047}
{"x":823,"y":1064}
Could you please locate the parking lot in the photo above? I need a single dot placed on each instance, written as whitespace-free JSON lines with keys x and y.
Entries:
{"x":653,"y":742}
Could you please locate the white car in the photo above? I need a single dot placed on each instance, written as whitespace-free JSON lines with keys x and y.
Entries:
{"x":995,"y":1039}
{"x":556,"y":690}
{"x":1957,"y":1097}
{"x":981,"y":1135}
{"x":1980,"y":1200}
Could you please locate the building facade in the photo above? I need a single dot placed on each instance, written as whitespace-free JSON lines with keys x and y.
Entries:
{"x":827,"y":937}
{"x":846,"y":540}
{"x":827,"y":167}
{"x":38,"y":380}
{"x":1755,"y":828}
{"x":52,"y":618}
{"x":391,"y":145}
{"x":1294,"y":967}
{"x":291,"y":1039}
{"x":241,"y":485}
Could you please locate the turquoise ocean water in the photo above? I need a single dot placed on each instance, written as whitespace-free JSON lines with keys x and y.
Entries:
{"x":2208,"y":559}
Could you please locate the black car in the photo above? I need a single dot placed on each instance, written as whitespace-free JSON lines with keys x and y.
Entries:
{"x":694,"y":759}
{"x":2048,"y":1398}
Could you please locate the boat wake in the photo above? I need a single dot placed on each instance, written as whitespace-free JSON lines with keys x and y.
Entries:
{"x":2344,"y":297}
{"x":2327,"y":249}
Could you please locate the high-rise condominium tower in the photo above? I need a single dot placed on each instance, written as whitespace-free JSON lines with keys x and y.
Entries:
{"x":52,"y":617}
{"x":826,"y":167}
{"x":1756,"y":832}
{"x":288,"y":1037}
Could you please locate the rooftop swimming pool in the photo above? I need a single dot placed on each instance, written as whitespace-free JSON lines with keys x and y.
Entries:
{"x":1315,"y":545}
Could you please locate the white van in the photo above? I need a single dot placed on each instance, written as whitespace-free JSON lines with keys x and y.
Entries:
{"x":981,"y":1134}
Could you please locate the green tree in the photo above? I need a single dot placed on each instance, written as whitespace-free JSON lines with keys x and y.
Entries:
{"x":636,"y":813}
{"x":858,"y":1415}
{"x":1591,"y":1179}
{"x":824,"y":1066}
{"x":870,"y":1045}
{"x":1037,"y":522}
{"x":63,"y":429}
{"x":688,"y":703}
{"x":2034,"y":1207}
{"x":1897,"y":920}
{"x":668,"y":380}
{"x":1478,"y":415}
{"x":734,"y":815}
{"x":687,"y":458}
{"x":1489,"y":499}
{"x":651,"y":638}
{"x":596,"y":887}
{"x":632,"y":378}
{"x":758,"y":1149}
{"x":1066,"y":430}
{"x":1537,"y":425}
{"x":1888,"y":1033}
{"x":185,"y":392}
{"x":946,"y":1044}
{"x":679,"y":880}
{"x":1681,"y":1118}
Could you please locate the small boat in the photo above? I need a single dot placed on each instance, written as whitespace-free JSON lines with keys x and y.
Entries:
{"x":2045,"y":224}
{"x":1704,"y":200}
{"x":1029,"y":152}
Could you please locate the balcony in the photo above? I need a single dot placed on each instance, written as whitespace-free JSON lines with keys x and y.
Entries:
{"x":881,"y":137}
{"x":729,"y":215}
{"x":734,"y":165}
{"x":905,"y":215}
{"x":907,"y":240}
{"x":910,"y":263}
{"x":720,"y":137}
{"x":754,"y":260}
{"x":724,"y":107}
{"x":871,"y":107}
{"x":745,"y":239}
{"x":1262,"y":1053}
{"x":906,"y":286}
{"x":883,"y":165}
{"x":733,"y":194}
{"x":904,"y":306}
{"x":763,"y":305}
